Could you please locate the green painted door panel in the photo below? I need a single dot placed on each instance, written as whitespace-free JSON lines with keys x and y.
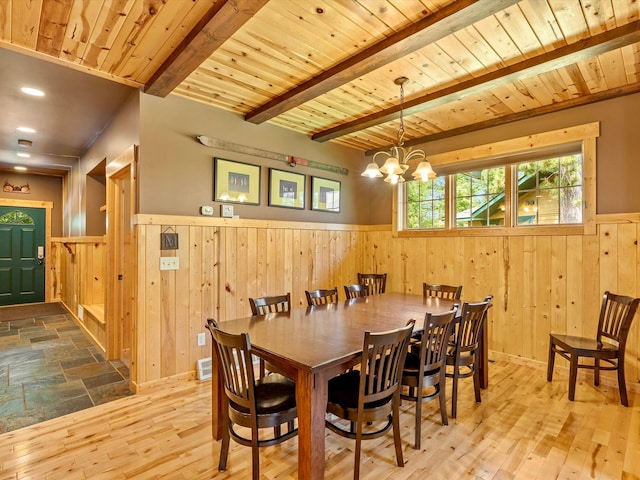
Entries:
{"x":22,"y":231}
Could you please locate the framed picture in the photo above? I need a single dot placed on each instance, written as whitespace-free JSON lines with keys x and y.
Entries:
{"x":325,"y":195}
{"x":286,"y":189}
{"x":236,"y":182}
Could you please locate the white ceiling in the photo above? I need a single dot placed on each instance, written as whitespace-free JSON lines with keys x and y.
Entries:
{"x":75,"y":109}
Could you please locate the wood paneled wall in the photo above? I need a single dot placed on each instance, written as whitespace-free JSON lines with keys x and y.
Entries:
{"x":539,"y":283}
{"x":78,"y":266}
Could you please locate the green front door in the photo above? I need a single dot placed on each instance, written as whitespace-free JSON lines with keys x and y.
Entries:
{"x":22,"y":236}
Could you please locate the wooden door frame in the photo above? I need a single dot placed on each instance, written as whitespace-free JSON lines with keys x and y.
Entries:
{"x":127,"y":160}
{"x":49,"y":276}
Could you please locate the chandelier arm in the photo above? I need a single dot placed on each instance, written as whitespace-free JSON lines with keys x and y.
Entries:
{"x":381,"y":152}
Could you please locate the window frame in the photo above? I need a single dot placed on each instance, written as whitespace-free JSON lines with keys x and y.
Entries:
{"x":508,"y":153}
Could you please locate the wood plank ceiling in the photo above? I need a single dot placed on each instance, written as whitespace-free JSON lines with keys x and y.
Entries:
{"x":325,"y":68}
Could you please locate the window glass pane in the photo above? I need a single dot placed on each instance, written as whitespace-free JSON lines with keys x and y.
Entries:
{"x":17,"y":217}
{"x":479,"y":197}
{"x":550,"y":191}
{"x":425,"y":204}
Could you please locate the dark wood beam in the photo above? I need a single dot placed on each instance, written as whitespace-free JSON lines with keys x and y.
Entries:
{"x":446,"y":21}
{"x":514,"y":117}
{"x":216,"y":27}
{"x":561,"y":57}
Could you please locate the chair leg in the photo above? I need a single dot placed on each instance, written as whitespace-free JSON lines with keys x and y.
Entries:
{"x":418,"y":425}
{"x":573,"y":374}
{"x":596,"y":372}
{"x":224,"y":448}
{"x":454,"y":393}
{"x":356,"y":465}
{"x":396,"y":430}
{"x":551,"y":361}
{"x":622,"y":384}
{"x":442,"y":395}
{"x":476,"y":383}
{"x":255,"y":454}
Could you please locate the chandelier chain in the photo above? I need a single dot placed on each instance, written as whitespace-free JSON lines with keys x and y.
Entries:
{"x":401,"y":129}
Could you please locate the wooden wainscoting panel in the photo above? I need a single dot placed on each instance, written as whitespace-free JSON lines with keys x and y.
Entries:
{"x":540,"y":284}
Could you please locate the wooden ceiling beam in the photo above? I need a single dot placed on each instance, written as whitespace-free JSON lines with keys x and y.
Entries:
{"x":432,"y":28}
{"x":581,"y":50}
{"x":514,"y":117}
{"x":215,"y":28}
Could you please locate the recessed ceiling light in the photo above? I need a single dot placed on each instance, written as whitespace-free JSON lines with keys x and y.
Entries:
{"x":23,"y":155}
{"x":22,"y":169}
{"x":26,"y":130}
{"x":32,"y":91}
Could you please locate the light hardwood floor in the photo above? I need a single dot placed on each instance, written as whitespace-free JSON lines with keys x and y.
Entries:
{"x":525,"y":428}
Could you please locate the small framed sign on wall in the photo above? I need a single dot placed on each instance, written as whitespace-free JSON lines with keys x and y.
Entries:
{"x":236,"y":182}
{"x":286,"y":189}
{"x":325,"y":195}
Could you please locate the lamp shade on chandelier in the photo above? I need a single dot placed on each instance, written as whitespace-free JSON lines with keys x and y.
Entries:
{"x":398,"y":158}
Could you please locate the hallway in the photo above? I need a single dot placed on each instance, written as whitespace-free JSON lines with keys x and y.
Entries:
{"x":49,"y":367}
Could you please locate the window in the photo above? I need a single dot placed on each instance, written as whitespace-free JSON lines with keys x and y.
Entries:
{"x":17,"y":217}
{"x":543,"y":183}
{"x":549,"y":192}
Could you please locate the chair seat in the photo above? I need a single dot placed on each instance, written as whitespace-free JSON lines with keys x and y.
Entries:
{"x":343,"y":390}
{"x":585,"y":345}
{"x":274,"y":393}
{"x":412,"y":365}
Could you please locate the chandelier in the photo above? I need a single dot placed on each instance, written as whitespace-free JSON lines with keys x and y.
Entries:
{"x":397,"y":159}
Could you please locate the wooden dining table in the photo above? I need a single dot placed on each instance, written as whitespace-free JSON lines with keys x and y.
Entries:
{"x":311,"y":345}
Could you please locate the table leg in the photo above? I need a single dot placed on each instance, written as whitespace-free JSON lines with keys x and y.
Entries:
{"x":311,"y":398}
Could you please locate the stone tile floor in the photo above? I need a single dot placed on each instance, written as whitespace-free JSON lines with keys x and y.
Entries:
{"x":49,"y":367}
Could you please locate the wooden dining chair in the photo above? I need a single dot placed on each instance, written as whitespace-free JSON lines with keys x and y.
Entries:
{"x":462,"y":356}
{"x":377,"y":282}
{"x":450,"y":292}
{"x":321,"y":296}
{"x":269,"y":304}
{"x":616,"y":315}
{"x":356,"y":291}
{"x":426,"y":368}
{"x":371,"y":393}
{"x":254,"y":404}
{"x":272,"y":304}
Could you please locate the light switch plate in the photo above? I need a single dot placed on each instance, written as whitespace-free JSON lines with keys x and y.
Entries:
{"x":226,"y":211}
{"x":169,"y":263}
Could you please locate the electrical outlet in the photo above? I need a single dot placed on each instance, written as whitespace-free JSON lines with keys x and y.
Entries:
{"x":201,"y":340}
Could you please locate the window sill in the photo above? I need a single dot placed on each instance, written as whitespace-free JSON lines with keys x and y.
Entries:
{"x":496,"y":231}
